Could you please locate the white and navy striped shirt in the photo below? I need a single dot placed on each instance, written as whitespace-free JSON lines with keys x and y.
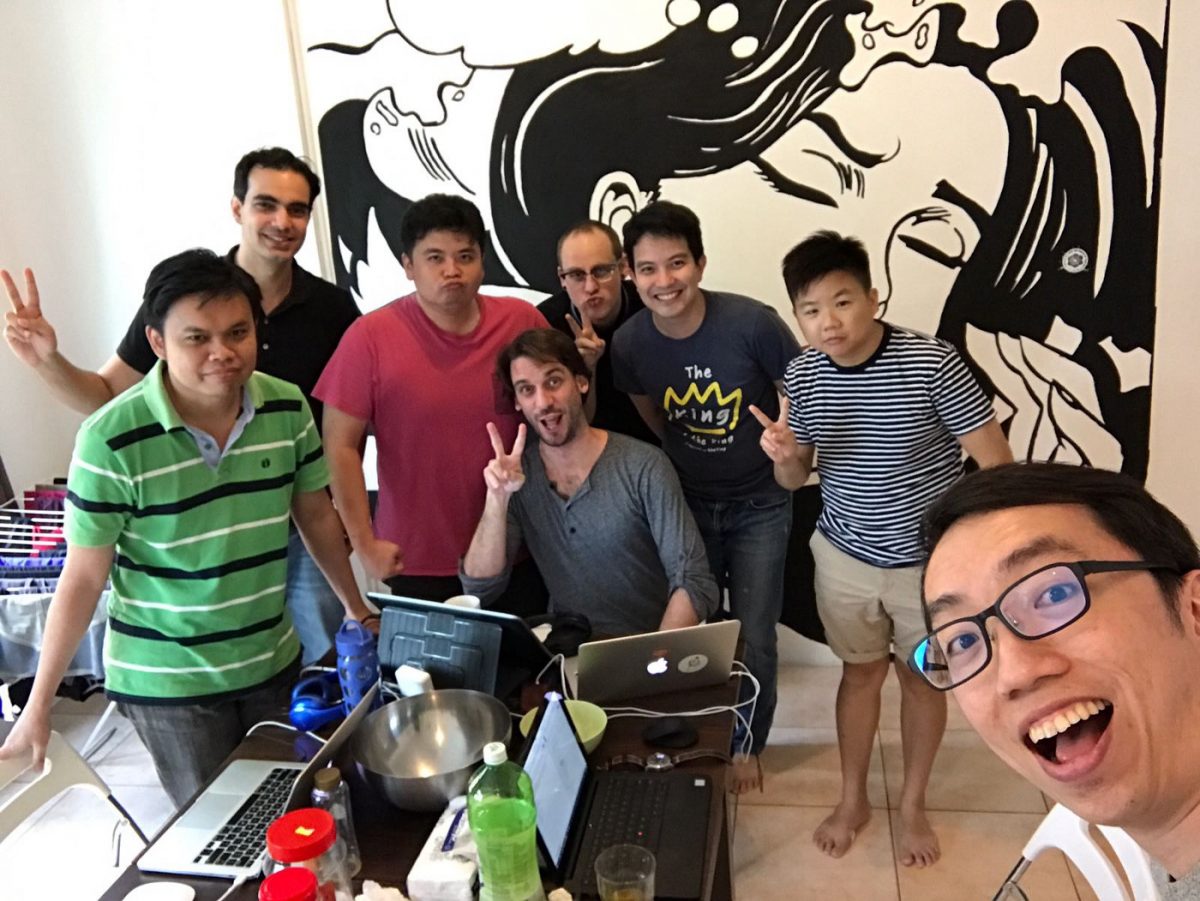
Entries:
{"x":885,"y":433}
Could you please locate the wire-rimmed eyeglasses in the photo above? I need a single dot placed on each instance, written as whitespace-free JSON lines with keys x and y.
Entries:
{"x":601,"y":273}
{"x":1039,"y":604}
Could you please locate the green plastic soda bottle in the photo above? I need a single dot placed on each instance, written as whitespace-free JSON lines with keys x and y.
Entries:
{"x":504,"y":822}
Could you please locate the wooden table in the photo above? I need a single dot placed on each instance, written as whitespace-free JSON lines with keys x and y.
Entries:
{"x":390,"y":839}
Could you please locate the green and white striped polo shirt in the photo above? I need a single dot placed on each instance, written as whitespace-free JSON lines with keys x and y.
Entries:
{"x":197,"y":606}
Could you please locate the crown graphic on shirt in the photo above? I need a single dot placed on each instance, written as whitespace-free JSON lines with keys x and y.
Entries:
{"x":707,"y":412}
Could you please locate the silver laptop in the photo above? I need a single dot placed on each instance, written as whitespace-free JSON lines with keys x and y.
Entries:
{"x":223,"y":831}
{"x":656,"y":662}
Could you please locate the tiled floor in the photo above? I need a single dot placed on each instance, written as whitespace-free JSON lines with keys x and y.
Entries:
{"x":66,"y":850}
{"x":983,"y":814}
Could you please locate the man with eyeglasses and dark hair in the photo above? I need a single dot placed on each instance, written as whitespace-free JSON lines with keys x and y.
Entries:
{"x":1064,"y":612}
{"x":595,"y":301}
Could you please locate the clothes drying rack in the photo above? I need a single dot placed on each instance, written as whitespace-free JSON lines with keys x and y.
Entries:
{"x":32,"y":554}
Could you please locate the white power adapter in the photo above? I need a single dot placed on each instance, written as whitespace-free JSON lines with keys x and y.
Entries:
{"x":412,"y":680}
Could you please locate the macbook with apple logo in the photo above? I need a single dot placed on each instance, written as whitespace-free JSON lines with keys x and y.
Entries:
{"x":656,"y":662}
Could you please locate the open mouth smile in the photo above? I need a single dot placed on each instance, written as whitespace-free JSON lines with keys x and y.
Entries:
{"x":550,"y":421}
{"x":1071,"y":741}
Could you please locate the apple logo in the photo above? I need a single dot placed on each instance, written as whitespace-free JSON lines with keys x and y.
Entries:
{"x":657,"y":666}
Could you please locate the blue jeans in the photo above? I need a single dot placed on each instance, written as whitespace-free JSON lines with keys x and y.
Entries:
{"x":747,"y":543}
{"x":316,"y":611}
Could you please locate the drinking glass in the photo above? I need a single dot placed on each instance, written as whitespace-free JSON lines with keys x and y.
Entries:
{"x":625,"y":873}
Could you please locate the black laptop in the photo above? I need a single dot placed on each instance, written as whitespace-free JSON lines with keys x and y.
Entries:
{"x":580,"y":812}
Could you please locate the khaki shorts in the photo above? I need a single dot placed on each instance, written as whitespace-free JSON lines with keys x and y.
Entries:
{"x":866,"y":609}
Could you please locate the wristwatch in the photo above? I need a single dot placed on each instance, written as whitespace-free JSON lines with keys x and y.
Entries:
{"x":660,"y":762}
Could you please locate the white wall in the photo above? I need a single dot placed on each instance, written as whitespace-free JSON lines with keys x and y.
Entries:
{"x":1175,"y":419}
{"x":120,"y":125}
{"x":121,"y":121}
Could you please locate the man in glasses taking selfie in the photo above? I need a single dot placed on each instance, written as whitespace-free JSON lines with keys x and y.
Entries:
{"x":595,"y":301}
{"x":1064,"y":612}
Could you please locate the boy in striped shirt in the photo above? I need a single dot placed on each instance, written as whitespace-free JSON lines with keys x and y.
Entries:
{"x":889,"y":411}
{"x":180,"y":490}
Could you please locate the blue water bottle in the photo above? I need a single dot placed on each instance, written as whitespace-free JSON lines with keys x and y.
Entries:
{"x":357,"y":662}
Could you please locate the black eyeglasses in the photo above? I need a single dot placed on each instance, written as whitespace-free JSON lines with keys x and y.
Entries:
{"x":600,"y":273}
{"x":1039,"y":604}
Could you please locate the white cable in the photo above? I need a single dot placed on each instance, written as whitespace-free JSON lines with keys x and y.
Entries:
{"x":740,"y":671}
{"x":255,"y":873}
{"x":390,"y":688}
{"x":288,"y":726}
{"x":562,"y":674}
{"x":557,"y":658}
{"x":568,"y":692}
{"x":237,"y":884}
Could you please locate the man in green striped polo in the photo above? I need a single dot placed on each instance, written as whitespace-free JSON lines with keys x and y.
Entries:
{"x":180,"y":490}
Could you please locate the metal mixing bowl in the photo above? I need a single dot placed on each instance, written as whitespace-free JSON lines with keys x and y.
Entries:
{"x":419,"y":752}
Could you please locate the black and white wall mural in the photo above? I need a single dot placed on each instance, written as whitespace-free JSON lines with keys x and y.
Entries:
{"x":998,"y":158}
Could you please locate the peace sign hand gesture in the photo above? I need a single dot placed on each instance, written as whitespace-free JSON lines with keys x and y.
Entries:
{"x":587,"y":342}
{"x":503,"y":474}
{"x":29,"y":335}
{"x":778,"y":441}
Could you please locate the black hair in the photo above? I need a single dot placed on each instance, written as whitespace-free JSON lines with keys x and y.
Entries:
{"x":440,"y":212}
{"x":705,"y":110}
{"x":542,"y":345}
{"x":273,"y":158}
{"x":820,"y":254}
{"x":584,"y":227}
{"x":196,"y":272}
{"x":1121,"y":505}
{"x":664,"y":219}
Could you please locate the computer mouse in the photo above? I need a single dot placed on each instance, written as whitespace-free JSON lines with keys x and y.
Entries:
{"x":670,"y":732}
{"x":162,"y":891}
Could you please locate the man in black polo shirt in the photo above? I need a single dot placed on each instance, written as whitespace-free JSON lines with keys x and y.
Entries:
{"x":594,"y":302}
{"x":304,"y":318}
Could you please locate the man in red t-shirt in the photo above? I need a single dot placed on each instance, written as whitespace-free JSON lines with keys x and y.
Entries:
{"x":419,"y":372}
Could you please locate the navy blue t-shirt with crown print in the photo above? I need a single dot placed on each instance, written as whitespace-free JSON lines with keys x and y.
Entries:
{"x":705,"y":384}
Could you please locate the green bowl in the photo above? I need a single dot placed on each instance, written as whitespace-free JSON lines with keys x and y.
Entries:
{"x":588,"y":719}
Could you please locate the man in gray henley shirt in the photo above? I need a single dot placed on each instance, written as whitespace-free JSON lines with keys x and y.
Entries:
{"x":602,"y":514}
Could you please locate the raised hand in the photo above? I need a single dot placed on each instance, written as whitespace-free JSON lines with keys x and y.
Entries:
{"x":778,"y":441}
{"x":29,"y":335}
{"x":503,"y":474}
{"x":587,"y":342}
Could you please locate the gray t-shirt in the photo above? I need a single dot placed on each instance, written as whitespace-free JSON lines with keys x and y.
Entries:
{"x":614,"y":551}
{"x":705,"y":384}
{"x":1186,"y":888}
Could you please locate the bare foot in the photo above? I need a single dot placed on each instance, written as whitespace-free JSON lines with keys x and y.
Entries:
{"x":746,"y":773}
{"x":836,"y":833}
{"x":916,"y":844}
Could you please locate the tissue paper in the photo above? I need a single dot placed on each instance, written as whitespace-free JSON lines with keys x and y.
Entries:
{"x":448,"y":865}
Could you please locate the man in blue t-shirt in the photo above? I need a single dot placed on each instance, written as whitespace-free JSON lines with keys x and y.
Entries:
{"x":890,"y":412}
{"x":693,"y":362}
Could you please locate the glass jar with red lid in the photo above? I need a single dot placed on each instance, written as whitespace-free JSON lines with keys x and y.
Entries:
{"x":307,"y":838}
{"x":289,"y":884}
